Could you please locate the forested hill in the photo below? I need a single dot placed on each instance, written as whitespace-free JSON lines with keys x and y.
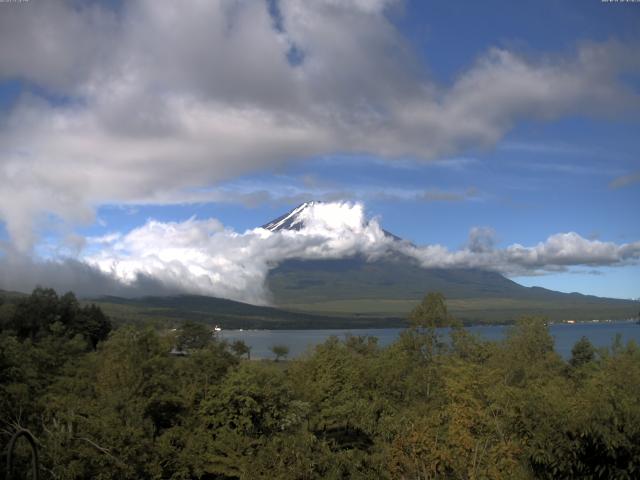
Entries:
{"x":230,"y":314}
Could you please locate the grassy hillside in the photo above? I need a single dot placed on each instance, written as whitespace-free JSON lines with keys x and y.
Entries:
{"x":392,"y":287}
{"x":477,"y":310}
{"x":228,"y":314}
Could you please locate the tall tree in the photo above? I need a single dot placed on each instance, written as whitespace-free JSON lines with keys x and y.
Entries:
{"x":431,"y":312}
{"x":35,"y":314}
{"x":193,"y":336}
{"x":280,"y":351}
{"x":582,"y":352}
{"x":240,"y":348}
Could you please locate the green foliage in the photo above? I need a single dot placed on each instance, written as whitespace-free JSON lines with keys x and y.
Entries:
{"x":193,"y":336}
{"x":44,"y":313}
{"x":240,"y":348}
{"x":253,"y":400}
{"x":582,"y":353}
{"x":420,"y":408}
{"x":280,"y":351}
{"x":431,"y":312}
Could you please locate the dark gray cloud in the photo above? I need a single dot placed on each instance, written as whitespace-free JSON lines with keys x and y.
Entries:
{"x":447,"y":196}
{"x":481,"y":240}
{"x":23,"y":274}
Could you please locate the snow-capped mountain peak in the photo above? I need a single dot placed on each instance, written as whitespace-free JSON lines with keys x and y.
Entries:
{"x":293,"y":220}
{"x":333,"y":215}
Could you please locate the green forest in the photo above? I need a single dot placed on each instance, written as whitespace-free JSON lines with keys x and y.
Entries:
{"x":118,"y":403}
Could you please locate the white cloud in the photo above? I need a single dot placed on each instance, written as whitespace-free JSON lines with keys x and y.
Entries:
{"x":163,"y":97}
{"x":201,"y":256}
{"x":558,"y":253}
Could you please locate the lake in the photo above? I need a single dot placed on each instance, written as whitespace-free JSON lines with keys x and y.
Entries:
{"x":300,"y":341}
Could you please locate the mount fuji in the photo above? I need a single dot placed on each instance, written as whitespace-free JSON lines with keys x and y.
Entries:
{"x":369,"y":283}
{"x":390,"y":285}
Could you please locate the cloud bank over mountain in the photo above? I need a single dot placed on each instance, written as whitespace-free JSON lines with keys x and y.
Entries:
{"x":144,"y":103}
{"x":204,"y":257}
{"x":201,"y":256}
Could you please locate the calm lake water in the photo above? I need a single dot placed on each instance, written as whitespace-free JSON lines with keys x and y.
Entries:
{"x":300,"y":341}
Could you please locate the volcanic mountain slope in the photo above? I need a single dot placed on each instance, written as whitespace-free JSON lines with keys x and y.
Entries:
{"x":393,"y":284}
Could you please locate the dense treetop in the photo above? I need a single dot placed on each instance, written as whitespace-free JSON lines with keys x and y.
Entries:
{"x":120,"y":405}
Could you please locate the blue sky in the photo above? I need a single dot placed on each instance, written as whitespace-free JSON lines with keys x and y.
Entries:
{"x":554,"y":163}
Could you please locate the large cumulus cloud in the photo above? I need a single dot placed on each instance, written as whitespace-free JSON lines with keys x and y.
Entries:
{"x":201,"y":256}
{"x":143,"y":103}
